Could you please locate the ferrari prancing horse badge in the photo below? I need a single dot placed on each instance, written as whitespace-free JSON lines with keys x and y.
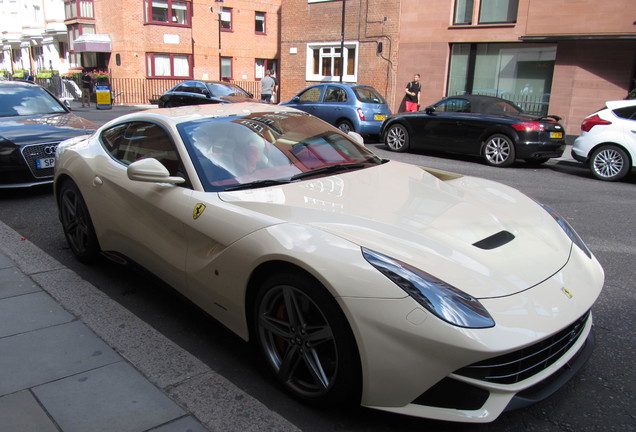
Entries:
{"x":198,"y":210}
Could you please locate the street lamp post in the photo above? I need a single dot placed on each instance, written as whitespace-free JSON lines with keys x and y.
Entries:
{"x":342,"y":38}
{"x":220,"y":14}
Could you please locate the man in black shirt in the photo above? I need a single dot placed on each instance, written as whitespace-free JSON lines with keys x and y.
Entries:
{"x":413,"y":94}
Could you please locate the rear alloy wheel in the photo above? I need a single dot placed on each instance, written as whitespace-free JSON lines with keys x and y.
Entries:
{"x":499,"y":151}
{"x":397,"y":138}
{"x":609,"y":163}
{"x":77,"y":223}
{"x":345,"y":126}
{"x":306,"y":340}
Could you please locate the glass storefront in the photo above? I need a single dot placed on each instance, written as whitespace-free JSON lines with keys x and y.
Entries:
{"x":519,"y":73}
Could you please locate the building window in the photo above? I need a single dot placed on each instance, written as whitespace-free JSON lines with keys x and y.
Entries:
{"x":226,"y":67}
{"x":226,"y":19}
{"x":78,"y":9}
{"x":463,"y":12}
{"x":521,"y":74}
{"x":498,"y":11}
{"x":324,"y":62}
{"x":260,"y":23}
{"x":263,"y":65}
{"x":171,"y":12}
{"x":162,"y":65}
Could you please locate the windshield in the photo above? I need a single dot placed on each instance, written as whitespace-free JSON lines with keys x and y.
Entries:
{"x":218,"y":89}
{"x":261,"y":149}
{"x":368,"y":95}
{"x":21,"y":100}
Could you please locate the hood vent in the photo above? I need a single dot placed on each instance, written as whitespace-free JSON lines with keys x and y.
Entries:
{"x":495,"y":240}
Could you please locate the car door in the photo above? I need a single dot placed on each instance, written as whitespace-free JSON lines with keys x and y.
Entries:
{"x":308,"y":99}
{"x":142,"y":220}
{"x":333,"y":105}
{"x":453,"y":127}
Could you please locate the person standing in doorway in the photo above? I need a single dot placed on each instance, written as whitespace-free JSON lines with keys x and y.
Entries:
{"x":275,"y":89}
{"x":413,"y":90}
{"x":87,"y":83}
{"x":267,"y":87}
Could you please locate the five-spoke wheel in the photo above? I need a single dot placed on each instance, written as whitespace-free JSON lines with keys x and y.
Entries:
{"x":305,"y":339}
{"x":76,"y":223}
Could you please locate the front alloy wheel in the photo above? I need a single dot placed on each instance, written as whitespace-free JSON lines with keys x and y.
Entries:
{"x":609,"y":163}
{"x":499,"y":151}
{"x":397,"y":138}
{"x":305,"y":339}
{"x":77,"y":223}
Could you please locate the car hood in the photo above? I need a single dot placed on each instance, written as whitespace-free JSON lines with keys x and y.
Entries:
{"x":44,"y":128}
{"x":430,"y":220}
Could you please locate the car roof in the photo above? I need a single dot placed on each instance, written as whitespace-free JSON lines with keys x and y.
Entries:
{"x":196,"y":112}
{"x":29,"y":84}
{"x":620,"y":103}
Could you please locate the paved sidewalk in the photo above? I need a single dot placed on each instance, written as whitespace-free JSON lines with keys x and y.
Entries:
{"x":73,"y":360}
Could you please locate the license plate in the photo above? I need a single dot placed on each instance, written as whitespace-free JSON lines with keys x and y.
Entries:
{"x":556,"y":135}
{"x":45,"y":163}
{"x":379,"y":117}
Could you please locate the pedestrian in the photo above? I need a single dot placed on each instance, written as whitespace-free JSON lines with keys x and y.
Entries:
{"x":413,"y":91}
{"x":267,"y":87}
{"x":87,"y":82}
{"x":276,"y":87}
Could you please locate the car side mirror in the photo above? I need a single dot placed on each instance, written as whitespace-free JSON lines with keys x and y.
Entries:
{"x":207,"y":94}
{"x":356,"y":136}
{"x":296,"y":99}
{"x":250,"y":95}
{"x":429,"y":109}
{"x":152,"y":171}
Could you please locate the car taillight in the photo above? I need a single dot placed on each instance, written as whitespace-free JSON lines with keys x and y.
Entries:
{"x":529,"y":126}
{"x":590,"y":122}
{"x":361,"y":114}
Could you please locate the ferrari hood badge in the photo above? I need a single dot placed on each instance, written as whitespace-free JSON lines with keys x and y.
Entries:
{"x":198,"y":210}
{"x":565,"y":291}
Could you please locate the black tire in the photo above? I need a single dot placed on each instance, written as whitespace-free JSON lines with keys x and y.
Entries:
{"x":397,"y":138}
{"x":77,"y":224}
{"x":609,"y":163}
{"x":345,"y":126}
{"x":311,"y":351}
{"x":537,"y":161}
{"x":499,"y":151}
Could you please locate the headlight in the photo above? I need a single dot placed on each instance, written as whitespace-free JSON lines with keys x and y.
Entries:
{"x":441,"y":299}
{"x":576,"y":239}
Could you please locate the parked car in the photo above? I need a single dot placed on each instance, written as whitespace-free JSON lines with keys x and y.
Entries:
{"x":607,"y":143}
{"x":486,"y":126}
{"x":358,"y":279}
{"x":32,"y":123}
{"x":194,"y":92}
{"x":349,"y":107}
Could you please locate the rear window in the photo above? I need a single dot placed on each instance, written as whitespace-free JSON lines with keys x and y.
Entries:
{"x":628,"y":113}
{"x":368,"y":95}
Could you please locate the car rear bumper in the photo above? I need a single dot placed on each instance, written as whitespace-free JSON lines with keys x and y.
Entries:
{"x":533,"y":150}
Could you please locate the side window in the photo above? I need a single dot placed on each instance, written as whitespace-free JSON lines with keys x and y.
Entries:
{"x":628,"y":113}
{"x":311,"y":95}
{"x":335,"y":94}
{"x":199,"y":88}
{"x":131,"y":142}
{"x":181,"y":88}
{"x":453,"y":105}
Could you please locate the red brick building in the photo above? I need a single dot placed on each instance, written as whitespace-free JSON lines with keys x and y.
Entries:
{"x":567,"y":58}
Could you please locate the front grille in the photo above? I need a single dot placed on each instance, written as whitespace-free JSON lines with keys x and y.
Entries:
{"x":520,"y":365}
{"x":32,"y":152}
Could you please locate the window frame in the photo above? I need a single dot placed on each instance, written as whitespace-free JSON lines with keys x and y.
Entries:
{"x":148,"y":13}
{"x":70,"y":14}
{"x":151,"y":73}
{"x":477,"y":9}
{"x":231,"y":60}
{"x":481,"y":10}
{"x":310,"y":75}
{"x":224,"y":11}
{"x":264,"y":20}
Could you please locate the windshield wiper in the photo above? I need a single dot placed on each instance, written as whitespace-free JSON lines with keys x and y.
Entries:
{"x":257,"y":184}
{"x":328,"y":169}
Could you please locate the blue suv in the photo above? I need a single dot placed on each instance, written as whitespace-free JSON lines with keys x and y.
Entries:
{"x":349,"y":107}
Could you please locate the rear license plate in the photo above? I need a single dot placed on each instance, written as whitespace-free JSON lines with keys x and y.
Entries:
{"x":45,"y":163}
{"x":557,"y":135}
{"x":379,"y":117}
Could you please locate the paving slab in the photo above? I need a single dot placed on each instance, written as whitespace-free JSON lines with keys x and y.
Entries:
{"x":13,"y":282}
{"x":52,"y":353}
{"x":20,"y":412}
{"x":30,"y":312}
{"x":115,"y":397}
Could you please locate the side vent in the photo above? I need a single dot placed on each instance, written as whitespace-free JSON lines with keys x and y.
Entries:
{"x":495,"y":240}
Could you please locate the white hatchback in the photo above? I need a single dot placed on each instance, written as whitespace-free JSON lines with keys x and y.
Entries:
{"x":608,"y":140}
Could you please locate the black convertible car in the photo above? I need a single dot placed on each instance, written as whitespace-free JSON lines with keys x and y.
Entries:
{"x":32,"y":123}
{"x":490,"y":127}
{"x":195,"y":92}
